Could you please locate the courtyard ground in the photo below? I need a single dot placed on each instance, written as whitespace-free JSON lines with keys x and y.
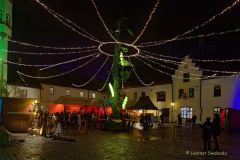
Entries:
{"x":111,"y":145}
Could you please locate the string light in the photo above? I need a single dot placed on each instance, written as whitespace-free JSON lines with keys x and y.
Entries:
{"x":210,"y":20}
{"x":47,"y":53}
{"x":119,"y":43}
{"x":25,"y":65}
{"x":194,"y":59}
{"x":156,"y":43}
{"x":145,"y":84}
{"x":23,"y":80}
{"x":81,"y":85}
{"x":101,"y":19}
{"x":204,"y":69}
{"x":146,"y":24}
{"x":57,"y":75}
{"x":48,"y":47}
{"x":201,"y":25}
{"x":70,"y":61}
{"x":168,"y":67}
{"x":156,"y":69}
{"x":57,"y":15}
{"x":107,"y":78}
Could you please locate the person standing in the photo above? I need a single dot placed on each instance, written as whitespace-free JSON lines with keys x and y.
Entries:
{"x":179,"y":120}
{"x":206,"y":134}
{"x":160,"y":125}
{"x":194,"y":119}
{"x":216,"y":129}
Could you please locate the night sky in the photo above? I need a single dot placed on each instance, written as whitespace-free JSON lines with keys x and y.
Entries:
{"x":31,"y":23}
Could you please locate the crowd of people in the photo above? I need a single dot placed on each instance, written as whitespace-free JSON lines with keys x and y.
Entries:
{"x":74,"y":120}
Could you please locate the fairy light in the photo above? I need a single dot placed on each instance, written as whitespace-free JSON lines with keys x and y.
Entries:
{"x":47,"y":47}
{"x":156,"y":43}
{"x":70,"y":61}
{"x":210,"y":20}
{"x":47,"y":53}
{"x":156,"y":69}
{"x":204,"y":69}
{"x":57,"y":75}
{"x":145,"y":84}
{"x":203,"y":24}
{"x":81,"y":85}
{"x":169,"y":67}
{"x":23,"y":80}
{"x":101,"y":19}
{"x":57,"y":15}
{"x":146,"y":24}
{"x":121,"y":43}
{"x":107,"y":78}
{"x":25,"y":65}
{"x":160,"y":55}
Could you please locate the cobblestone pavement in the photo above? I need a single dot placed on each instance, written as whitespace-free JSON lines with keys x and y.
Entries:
{"x":110,"y":145}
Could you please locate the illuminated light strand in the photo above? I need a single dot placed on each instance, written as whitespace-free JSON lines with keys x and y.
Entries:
{"x":156,"y":43}
{"x":160,"y":55}
{"x":47,"y":53}
{"x":210,"y":20}
{"x":203,"y":69}
{"x":194,"y":59}
{"x":57,"y":15}
{"x":48,"y":47}
{"x":23,"y":80}
{"x":146,"y":24}
{"x":70,"y":61}
{"x":107,"y":78}
{"x":101,"y":19}
{"x":156,"y":69}
{"x":145,"y":84}
{"x":169,"y":67}
{"x":203,"y":24}
{"x":57,"y":75}
{"x":25,"y":65}
{"x":154,"y":54}
{"x":81,"y":85}
{"x":121,"y":43}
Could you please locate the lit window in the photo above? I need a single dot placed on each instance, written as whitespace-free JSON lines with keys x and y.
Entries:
{"x":81,"y":94}
{"x":68,"y":92}
{"x":217,"y":91}
{"x":191,"y":92}
{"x":93,"y":95}
{"x":161,"y":96}
{"x":51,"y":90}
{"x":8,"y":20}
{"x":186,"y":112}
{"x":216,"y":110}
{"x":186,"y":77}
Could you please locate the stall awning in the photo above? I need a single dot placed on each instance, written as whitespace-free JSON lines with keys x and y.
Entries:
{"x":144,"y":103}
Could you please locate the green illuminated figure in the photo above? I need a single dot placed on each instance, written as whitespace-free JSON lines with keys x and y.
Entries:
{"x":5,"y":33}
{"x":118,"y":73}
